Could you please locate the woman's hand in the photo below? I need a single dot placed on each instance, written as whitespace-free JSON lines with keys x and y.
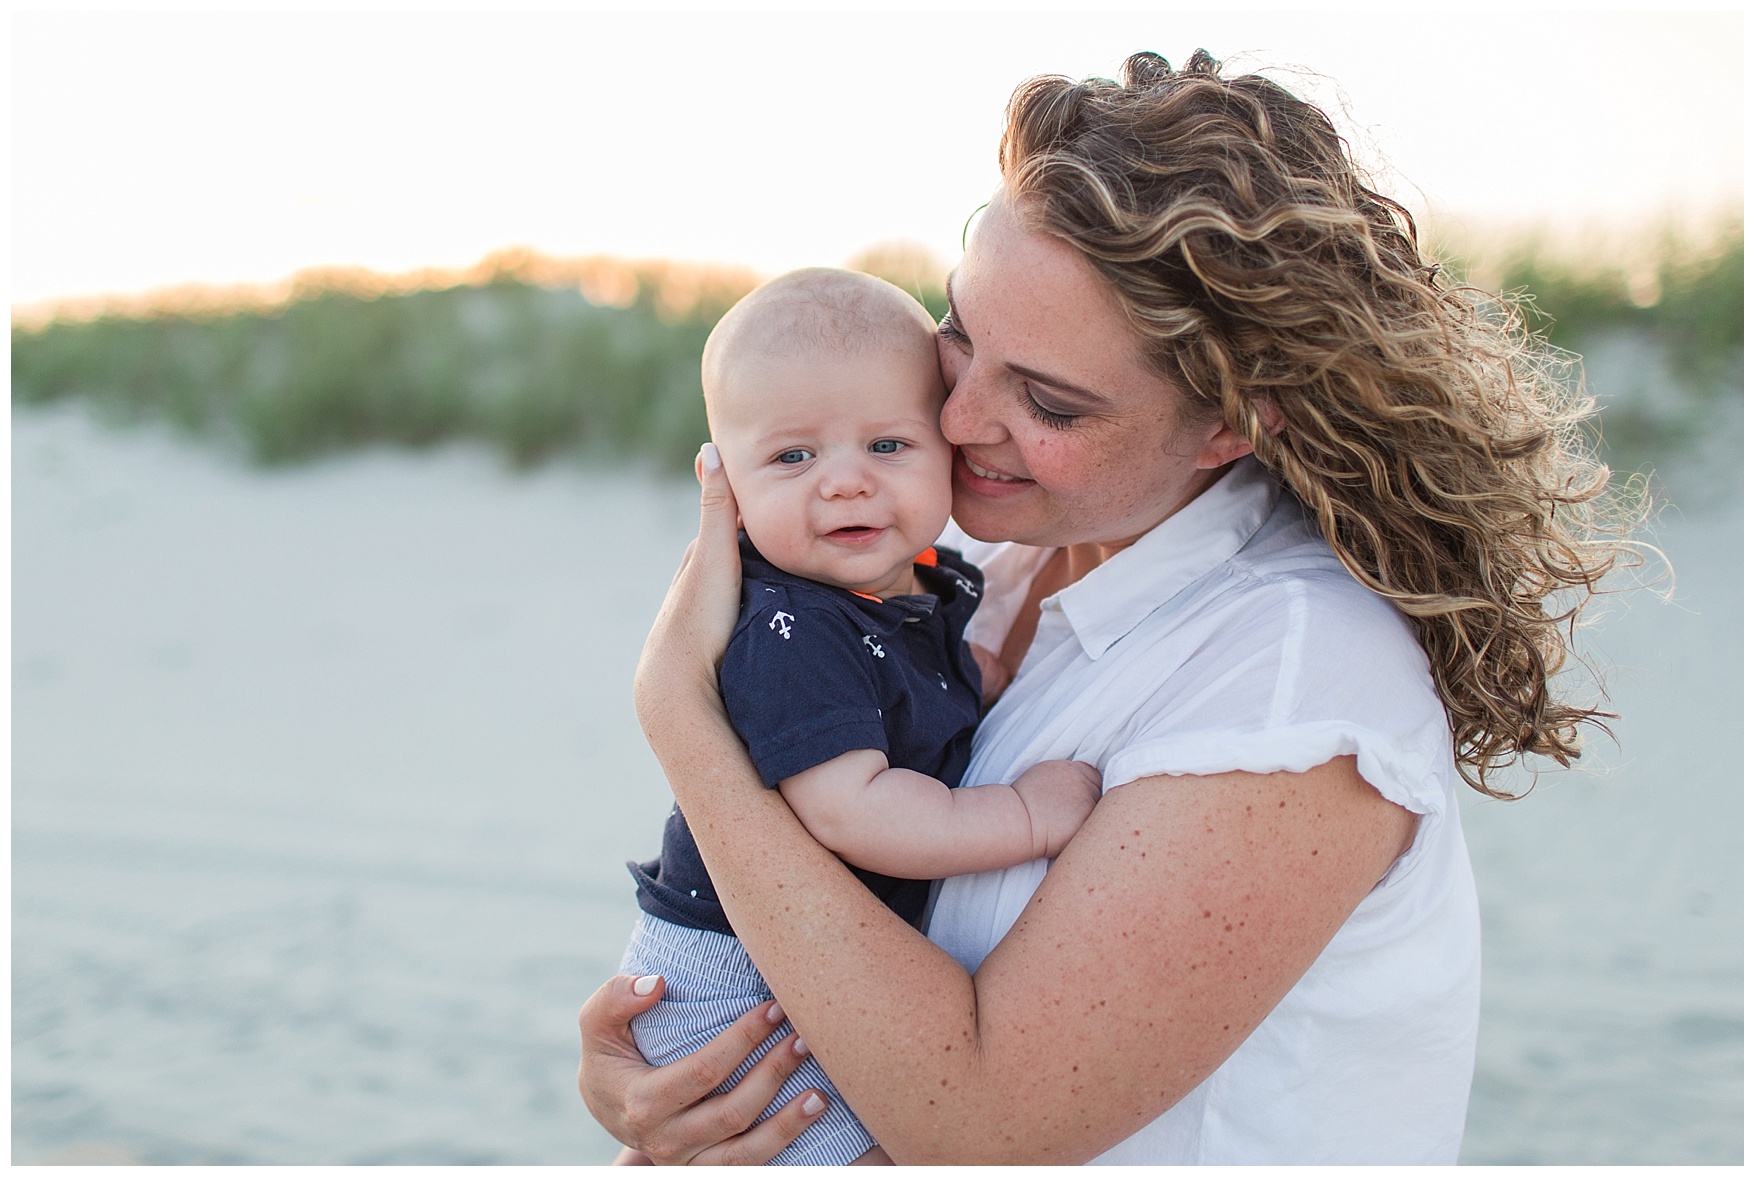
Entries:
{"x":679,"y":665}
{"x":670,"y":1113}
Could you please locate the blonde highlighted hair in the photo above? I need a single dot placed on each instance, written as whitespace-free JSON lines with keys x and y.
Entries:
{"x":1436,"y":445}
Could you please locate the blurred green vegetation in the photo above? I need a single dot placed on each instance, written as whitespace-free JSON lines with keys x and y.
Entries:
{"x":1661,"y":337}
{"x":535,"y":370}
{"x":531,"y":371}
{"x":1690,"y":306}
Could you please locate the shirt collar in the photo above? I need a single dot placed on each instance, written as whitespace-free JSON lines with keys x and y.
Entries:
{"x":1106,"y":603}
{"x":953,"y":584}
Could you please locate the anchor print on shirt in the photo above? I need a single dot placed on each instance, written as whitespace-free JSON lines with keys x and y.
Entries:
{"x":871,"y":644}
{"x":780,"y":624}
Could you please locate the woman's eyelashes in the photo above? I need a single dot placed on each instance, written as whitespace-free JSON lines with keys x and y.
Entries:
{"x":949,"y":329}
{"x":1045,"y":414}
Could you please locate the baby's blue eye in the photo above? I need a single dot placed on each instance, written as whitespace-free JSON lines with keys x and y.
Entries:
{"x":794,"y":457}
{"x":888,"y":445}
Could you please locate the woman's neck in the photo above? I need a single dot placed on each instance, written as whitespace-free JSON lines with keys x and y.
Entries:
{"x":1063,"y":567}
{"x":1082,"y":558}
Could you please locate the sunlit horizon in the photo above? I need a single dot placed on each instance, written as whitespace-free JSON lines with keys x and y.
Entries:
{"x":155,"y":152}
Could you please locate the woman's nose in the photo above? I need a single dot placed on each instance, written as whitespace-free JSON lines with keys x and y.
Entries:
{"x":967,"y":417}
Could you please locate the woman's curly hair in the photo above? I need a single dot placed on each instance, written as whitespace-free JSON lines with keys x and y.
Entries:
{"x":1437,"y":445}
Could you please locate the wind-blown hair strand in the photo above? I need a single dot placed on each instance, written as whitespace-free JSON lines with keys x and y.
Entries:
{"x":1437,"y":445}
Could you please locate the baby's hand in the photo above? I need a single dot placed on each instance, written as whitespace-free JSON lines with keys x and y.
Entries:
{"x":994,"y":675}
{"x":1058,"y":795}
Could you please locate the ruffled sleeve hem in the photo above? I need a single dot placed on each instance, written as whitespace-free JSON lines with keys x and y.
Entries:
{"x":1289,"y":749}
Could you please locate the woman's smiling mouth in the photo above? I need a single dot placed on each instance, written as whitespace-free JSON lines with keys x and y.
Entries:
{"x":986,"y":477}
{"x":995,"y":475}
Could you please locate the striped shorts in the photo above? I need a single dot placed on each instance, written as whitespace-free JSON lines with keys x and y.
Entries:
{"x":709,"y":982}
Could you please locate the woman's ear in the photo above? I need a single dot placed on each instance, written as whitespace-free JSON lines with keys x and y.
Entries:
{"x":1269,"y":414}
{"x":1226,"y":445}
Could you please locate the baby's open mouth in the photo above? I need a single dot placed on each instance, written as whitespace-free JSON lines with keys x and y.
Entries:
{"x":853,"y":532}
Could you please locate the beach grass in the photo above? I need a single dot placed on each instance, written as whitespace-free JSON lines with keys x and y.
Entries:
{"x":539,"y":358}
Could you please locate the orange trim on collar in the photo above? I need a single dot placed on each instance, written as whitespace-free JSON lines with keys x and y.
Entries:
{"x":929,"y":558}
{"x":867,"y":596}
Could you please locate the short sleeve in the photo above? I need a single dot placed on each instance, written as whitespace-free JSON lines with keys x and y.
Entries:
{"x":799,"y":687}
{"x":1308,"y":672}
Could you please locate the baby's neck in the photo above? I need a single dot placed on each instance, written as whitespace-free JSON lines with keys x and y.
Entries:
{"x":913,"y":586}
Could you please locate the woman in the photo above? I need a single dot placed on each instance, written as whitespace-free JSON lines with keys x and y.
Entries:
{"x":1272,"y":521}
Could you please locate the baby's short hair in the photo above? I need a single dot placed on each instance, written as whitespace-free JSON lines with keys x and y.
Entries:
{"x":815,"y":311}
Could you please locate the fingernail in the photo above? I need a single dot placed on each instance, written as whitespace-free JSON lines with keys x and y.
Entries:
{"x":776,"y":1015}
{"x":814,"y":1104}
{"x":709,"y":456}
{"x":645,"y":985}
{"x":799,"y":1048}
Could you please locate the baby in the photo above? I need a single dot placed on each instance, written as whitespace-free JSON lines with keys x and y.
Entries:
{"x":847,"y":675}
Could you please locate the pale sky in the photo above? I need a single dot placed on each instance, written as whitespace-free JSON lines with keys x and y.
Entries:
{"x":150,"y":150}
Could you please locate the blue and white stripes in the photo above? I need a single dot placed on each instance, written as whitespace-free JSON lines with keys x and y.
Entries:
{"x":710,"y":982}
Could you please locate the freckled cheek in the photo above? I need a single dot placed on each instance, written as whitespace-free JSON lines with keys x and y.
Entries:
{"x":1061,"y":463}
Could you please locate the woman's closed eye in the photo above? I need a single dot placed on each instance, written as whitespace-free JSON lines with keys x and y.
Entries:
{"x":948,"y":328}
{"x":1049,"y":417}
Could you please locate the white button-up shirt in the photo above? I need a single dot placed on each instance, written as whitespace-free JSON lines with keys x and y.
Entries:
{"x":1230,"y":638}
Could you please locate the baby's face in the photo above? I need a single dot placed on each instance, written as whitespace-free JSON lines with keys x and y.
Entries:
{"x":840,"y":471}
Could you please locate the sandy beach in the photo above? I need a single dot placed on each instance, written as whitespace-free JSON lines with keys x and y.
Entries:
{"x":323,"y":779}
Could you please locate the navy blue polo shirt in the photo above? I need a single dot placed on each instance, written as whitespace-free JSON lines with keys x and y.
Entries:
{"x":813,"y":672}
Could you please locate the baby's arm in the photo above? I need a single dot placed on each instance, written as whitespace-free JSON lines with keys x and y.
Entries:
{"x":906,"y":824}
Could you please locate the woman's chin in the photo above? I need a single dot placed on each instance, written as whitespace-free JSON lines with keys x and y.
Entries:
{"x":992,"y":518}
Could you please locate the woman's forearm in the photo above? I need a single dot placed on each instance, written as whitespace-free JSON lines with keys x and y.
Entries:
{"x":866,"y":985}
{"x":1115,"y":993}
{"x":864,"y":989}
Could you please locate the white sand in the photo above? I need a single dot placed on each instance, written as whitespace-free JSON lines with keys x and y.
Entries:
{"x":323,"y":780}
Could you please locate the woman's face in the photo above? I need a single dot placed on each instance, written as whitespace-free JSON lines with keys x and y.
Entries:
{"x":1064,"y":435}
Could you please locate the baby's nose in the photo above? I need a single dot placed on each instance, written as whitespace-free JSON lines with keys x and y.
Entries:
{"x":846,"y":475}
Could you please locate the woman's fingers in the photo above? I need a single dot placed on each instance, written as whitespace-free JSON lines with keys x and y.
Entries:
{"x":725,"y":1116}
{"x":764,"y":1142}
{"x":692,"y":1078}
{"x":712,"y":567}
{"x":688,"y":638}
{"x":675,"y":1117}
{"x":611,"y":1067}
{"x":605,"y":1015}
{"x":718,"y":508}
